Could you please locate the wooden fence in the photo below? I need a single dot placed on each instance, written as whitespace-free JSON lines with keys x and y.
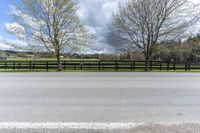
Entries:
{"x":99,"y":65}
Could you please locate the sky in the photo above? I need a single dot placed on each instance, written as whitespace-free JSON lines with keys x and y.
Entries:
{"x":4,"y":18}
{"x":96,"y":14}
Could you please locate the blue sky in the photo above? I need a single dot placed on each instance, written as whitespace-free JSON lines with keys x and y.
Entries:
{"x":4,"y":17}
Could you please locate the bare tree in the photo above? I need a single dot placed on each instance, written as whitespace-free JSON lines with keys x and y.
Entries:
{"x":143,"y":24}
{"x":50,"y":25}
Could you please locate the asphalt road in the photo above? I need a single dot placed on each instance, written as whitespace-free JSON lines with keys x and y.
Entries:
{"x":100,"y":97}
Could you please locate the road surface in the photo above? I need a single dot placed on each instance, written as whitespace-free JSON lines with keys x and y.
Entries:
{"x":100,"y":97}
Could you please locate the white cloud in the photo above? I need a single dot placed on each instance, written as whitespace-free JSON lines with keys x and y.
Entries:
{"x":195,"y":1}
{"x":97,"y":14}
{"x":11,"y":44}
{"x":15,"y":28}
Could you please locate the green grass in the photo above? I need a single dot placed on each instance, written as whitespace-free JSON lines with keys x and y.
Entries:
{"x":191,"y":71}
{"x":105,"y":70}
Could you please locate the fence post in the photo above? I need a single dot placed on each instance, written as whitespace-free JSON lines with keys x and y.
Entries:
{"x":13,"y":65}
{"x":186,"y":66}
{"x":168,"y":63}
{"x":19,"y":66}
{"x":89,"y":66}
{"x":160,"y":65}
{"x":134,"y":65}
{"x":5,"y":65}
{"x":33,"y":65}
{"x":131,"y":66}
{"x":30,"y":65}
{"x":150,"y":65}
{"x":174,"y":66}
{"x":189,"y":67}
{"x":64,"y":65}
{"x":116,"y":65}
{"x":81,"y":63}
{"x":47,"y":65}
{"x":99,"y":65}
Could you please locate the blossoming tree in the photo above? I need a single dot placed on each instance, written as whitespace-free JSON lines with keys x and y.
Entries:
{"x":49,"y":25}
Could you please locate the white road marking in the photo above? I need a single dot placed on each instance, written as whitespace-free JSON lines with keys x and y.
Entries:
{"x":74,"y":125}
{"x":71,"y":125}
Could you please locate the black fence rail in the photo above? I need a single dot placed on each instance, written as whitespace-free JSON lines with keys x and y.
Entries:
{"x":99,"y":65}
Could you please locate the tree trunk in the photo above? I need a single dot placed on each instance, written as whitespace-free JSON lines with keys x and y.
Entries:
{"x":147,"y":63}
{"x":59,"y":62}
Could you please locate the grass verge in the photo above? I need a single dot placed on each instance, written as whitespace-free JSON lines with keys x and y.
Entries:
{"x":105,"y":70}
